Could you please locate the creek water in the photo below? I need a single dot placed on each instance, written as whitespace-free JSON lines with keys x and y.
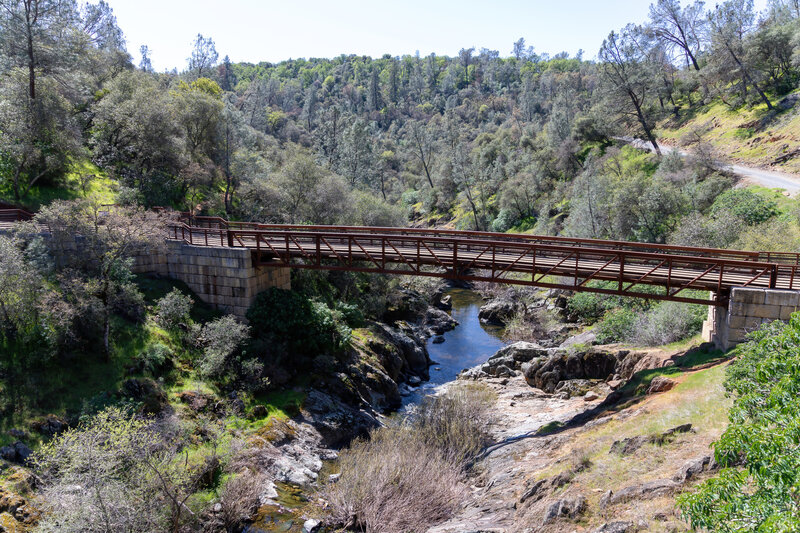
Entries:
{"x":470,"y":343}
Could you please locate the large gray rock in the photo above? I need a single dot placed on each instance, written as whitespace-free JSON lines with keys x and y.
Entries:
{"x":547,"y":373}
{"x":641,"y":491}
{"x":566,"y":508}
{"x":616,"y":527}
{"x":437,"y":321}
{"x":497,"y":312}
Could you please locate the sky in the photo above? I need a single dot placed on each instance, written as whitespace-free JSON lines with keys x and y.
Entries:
{"x":270,"y":30}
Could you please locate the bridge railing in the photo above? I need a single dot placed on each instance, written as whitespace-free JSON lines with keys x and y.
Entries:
{"x":15,"y":215}
{"x":769,"y":257}
{"x":481,"y":259}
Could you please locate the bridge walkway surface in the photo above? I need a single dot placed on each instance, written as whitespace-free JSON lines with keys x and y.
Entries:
{"x":551,"y":262}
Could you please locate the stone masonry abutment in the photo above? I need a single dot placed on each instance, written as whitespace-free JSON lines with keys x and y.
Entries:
{"x":223,"y":277}
{"x":747,"y":310}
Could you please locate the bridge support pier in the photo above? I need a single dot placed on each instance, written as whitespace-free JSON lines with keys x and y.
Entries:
{"x":747,"y":310}
{"x":225,"y":278}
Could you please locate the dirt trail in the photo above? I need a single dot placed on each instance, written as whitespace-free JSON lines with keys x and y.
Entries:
{"x":766,"y":178}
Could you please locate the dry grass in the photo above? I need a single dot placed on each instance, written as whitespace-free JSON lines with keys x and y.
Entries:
{"x":698,"y":399}
{"x":240,"y":498}
{"x":393,"y":483}
{"x":407,"y":477}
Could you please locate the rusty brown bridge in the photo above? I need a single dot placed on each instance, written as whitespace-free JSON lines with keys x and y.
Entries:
{"x":227,"y":263}
{"x":542,"y":261}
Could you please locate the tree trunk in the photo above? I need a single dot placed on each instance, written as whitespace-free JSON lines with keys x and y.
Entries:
{"x":647,"y":130}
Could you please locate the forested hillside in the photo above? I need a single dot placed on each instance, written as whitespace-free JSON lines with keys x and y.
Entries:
{"x":483,"y":140}
{"x":127,"y":404}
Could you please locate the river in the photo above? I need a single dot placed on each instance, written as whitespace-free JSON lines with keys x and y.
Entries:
{"x":470,"y":343}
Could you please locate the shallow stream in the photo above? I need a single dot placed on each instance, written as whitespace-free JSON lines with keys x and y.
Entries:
{"x":470,"y":343}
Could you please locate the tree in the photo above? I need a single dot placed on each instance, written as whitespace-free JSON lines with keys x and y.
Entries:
{"x":117,"y":472}
{"x":730,"y":23}
{"x":422,"y":142}
{"x":759,"y":452}
{"x":36,"y":135}
{"x":679,"y":28}
{"x":374,"y":94}
{"x":629,"y":78}
{"x":105,"y":240}
{"x":145,"y":64}
{"x":204,"y":56}
{"x":33,"y":33}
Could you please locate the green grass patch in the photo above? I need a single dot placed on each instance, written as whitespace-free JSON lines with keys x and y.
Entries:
{"x":68,"y":187}
{"x":640,"y":382}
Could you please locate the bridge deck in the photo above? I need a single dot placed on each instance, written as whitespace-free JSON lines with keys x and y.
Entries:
{"x":483,"y":257}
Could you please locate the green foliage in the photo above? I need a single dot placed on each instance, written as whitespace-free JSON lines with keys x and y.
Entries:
{"x":220,"y":339}
{"x":617,"y":325}
{"x":173,"y":309}
{"x":305,"y":326}
{"x":152,"y":358}
{"x":745,"y":204}
{"x":757,"y":487}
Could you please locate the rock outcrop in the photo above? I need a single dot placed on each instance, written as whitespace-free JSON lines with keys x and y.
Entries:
{"x":498,"y":312}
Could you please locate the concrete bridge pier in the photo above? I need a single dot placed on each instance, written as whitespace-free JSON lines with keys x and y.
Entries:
{"x":223,"y":277}
{"x":747,"y":310}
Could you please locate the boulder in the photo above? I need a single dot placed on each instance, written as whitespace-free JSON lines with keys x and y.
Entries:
{"x":269,"y":494}
{"x":585,"y":338}
{"x":629,"y":445}
{"x":444,"y":302}
{"x":16,"y":453}
{"x":575,"y":387}
{"x":497,"y":312}
{"x":311,"y":525}
{"x":49,"y":426}
{"x":642,"y":491}
{"x":591,"y":396}
{"x":410,"y":348}
{"x":520,"y":352}
{"x":337,"y":422}
{"x":152,"y":397}
{"x":660,"y":384}
{"x":437,"y":321}
{"x":566,"y":508}
{"x":692,"y":469}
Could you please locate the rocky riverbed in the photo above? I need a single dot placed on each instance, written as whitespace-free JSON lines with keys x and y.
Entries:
{"x":569,"y":418}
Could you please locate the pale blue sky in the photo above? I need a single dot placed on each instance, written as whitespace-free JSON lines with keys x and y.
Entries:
{"x":269,"y":30}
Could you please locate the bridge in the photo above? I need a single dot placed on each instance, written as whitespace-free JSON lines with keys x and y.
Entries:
{"x":542,"y":261}
{"x":227,"y":263}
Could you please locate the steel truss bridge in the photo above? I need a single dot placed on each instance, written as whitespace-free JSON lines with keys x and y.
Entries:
{"x":540,"y":261}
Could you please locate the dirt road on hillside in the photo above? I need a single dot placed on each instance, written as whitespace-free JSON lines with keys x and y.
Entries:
{"x":766,"y":178}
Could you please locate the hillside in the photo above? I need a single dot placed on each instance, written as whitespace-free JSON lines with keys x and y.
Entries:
{"x":755,"y":136}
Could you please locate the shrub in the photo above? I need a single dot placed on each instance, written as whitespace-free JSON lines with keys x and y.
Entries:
{"x":153,"y":357}
{"x":307,"y":327}
{"x":745,"y":204}
{"x":668,"y":322}
{"x":588,"y":306}
{"x":393,"y":482}
{"x":407,"y":477}
{"x":173,"y":309}
{"x":240,"y":499}
{"x":220,"y":339}
{"x":457,"y":422}
{"x":617,"y":325}
{"x":756,"y":489}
